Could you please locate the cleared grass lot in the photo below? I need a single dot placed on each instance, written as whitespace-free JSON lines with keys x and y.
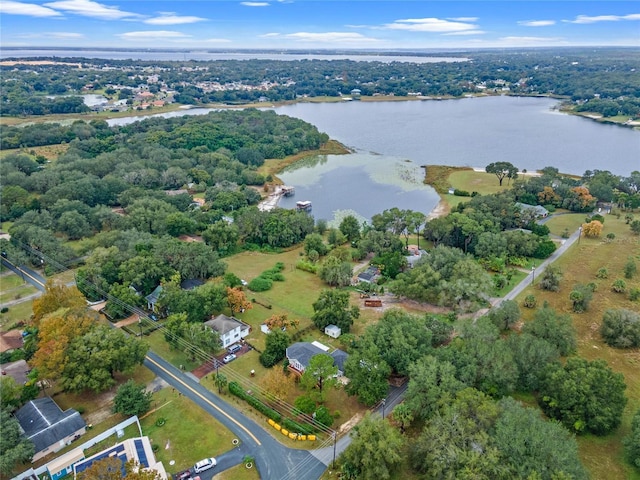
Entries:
{"x":603,"y":456}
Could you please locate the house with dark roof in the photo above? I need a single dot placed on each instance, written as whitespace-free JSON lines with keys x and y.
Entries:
{"x":48,"y":427}
{"x":370,"y":275}
{"x":230,"y":329}
{"x":299,"y":355}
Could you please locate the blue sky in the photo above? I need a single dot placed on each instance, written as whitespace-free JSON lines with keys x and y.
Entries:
{"x":328,"y":24}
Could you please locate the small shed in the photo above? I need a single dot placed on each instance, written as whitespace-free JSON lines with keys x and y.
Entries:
{"x":333,"y":331}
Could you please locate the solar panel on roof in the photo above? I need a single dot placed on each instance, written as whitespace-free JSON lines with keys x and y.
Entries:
{"x":142,"y":456}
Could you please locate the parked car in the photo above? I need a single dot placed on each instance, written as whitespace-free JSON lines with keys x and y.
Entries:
{"x":229,"y":358}
{"x":205,"y":464}
{"x":234,"y":348}
{"x":186,"y":475}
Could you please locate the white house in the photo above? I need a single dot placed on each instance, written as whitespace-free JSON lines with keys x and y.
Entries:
{"x":333,"y":331}
{"x":230,"y":329}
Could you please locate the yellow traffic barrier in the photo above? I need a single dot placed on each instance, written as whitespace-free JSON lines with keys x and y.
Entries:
{"x":284,"y":432}
{"x":311,"y":438}
{"x":271,"y":422}
{"x":277,"y":427}
{"x":302,"y":437}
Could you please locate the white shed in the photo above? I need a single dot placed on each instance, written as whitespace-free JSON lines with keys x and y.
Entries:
{"x":333,"y":331}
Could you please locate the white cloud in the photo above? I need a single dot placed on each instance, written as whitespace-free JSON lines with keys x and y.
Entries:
{"x":331,"y":37}
{"x":269,"y":35}
{"x":465,"y":32}
{"x":604,"y":18}
{"x":170,"y":18}
{"x":216,"y":40}
{"x":464,"y":19}
{"x":52,"y":35}
{"x":29,"y":9}
{"x":153,"y":35}
{"x":537,"y":23}
{"x":431,"y":25}
{"x":255,"y":4}
{"x":88,"y":8}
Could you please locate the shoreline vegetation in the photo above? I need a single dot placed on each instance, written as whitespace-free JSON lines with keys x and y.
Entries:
{"x":620,"y":120}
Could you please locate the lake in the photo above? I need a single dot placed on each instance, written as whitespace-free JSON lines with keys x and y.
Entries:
{"x":392,"y":140}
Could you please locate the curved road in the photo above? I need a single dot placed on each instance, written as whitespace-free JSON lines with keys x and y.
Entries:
{"x":273,"y":460}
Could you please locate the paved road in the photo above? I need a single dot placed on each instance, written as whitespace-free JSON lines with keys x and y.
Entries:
{"x":539,"y":270}
{"x":273,"y":460}
{"x":27,"y":274}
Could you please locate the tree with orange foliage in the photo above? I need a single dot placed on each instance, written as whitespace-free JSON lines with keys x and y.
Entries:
{"x":548,"y":196}
{"x":276,"y":383}
{"x":579,"y":199}
{"x":55,"y":334}
{"x":56,"y":296}
{"x":280,"y":321}
{"x":237,"y":300}
{"x":592,"y":229}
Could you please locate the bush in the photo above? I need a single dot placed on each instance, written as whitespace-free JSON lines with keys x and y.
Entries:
{"x":461,"y":193}
{"x":602,"y":273}
{"x":4,"y":310}
{"x":619,"y":286}
{"x":621,"y":328}
{"x":260,"y":284}
{"x":596,"y":217}
{"x":530,"y":301}
{"x":306,"y":266}
{"x":634,"y":294}
{"x":544,"y":249}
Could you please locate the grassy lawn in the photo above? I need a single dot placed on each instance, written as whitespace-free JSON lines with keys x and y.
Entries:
{"x":175,"y":356}
{"x":602,"y":455}
{"x":20,"y":312}
{"x":569,"y":221}
{"x":239,"y":472}
{"x":189,"y":433}
{"x":12,"y":287}
{"x":481,"y":182}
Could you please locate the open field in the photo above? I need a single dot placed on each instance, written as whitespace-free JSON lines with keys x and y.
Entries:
{"x":20,"y":312}
{"x":12,"y":287}
{"x":602,"y":455}
{"x":569,"y":221}
{"x":239,"y":472}
{"x":50,"y":152}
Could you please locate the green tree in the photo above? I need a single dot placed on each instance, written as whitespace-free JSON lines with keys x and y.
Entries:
{"x":553,"y":327}
{"x":635,"y":227}
{"x":275,"y":348}
{"x":551,"y":279}
{"x":320,"y":373}
{"x":95,"y":357}
{"x":403,"y":415}
{"x":368,"y":374}
{"x":131,"y":399}
{"x":502,"y":170}
{"x":580,"y":297}
{"x":632,"y":442}
{"x":332,"y":308}
{"x":532,"y":445}
{"x":585,"y":396}
{"x":531,"y":355}
{"x":10,"y":393}
{"x":350,"y":228}
{"x":220,"y":381}
{"x":621,"y":328}
{"x":432,"y":384}
{"x":14,"y":447}
{"x":314,"y":241}
{"x":374,"y":452}
{"x":505,"y":315}
{"x":335,"y":272}
{"x":455,"y":443}
{"x":400,"y":338}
